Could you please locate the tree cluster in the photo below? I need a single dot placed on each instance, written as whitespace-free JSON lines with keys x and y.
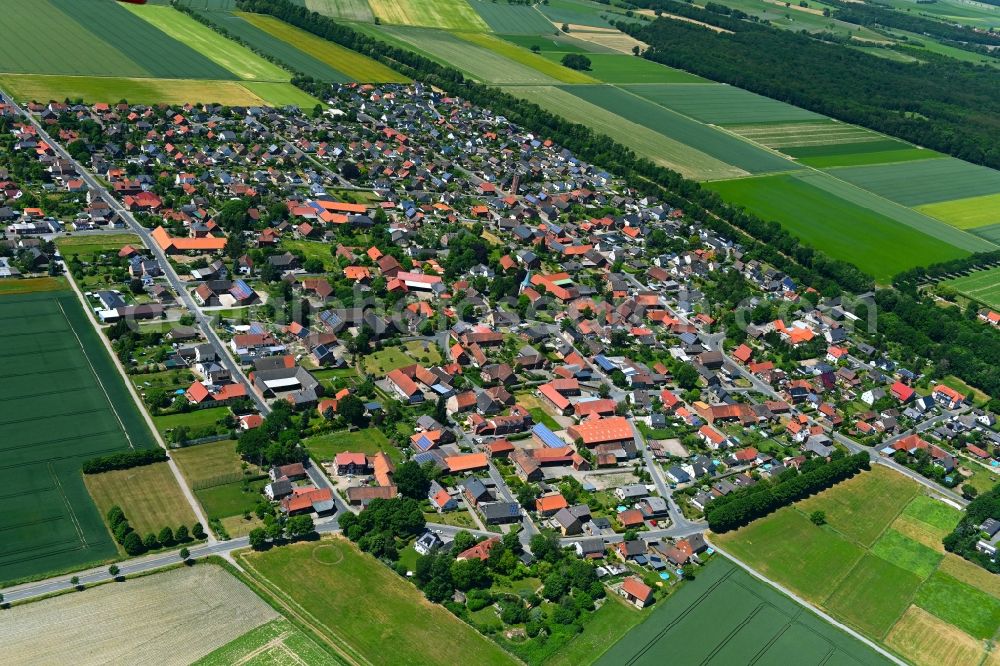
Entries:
{"x":134,"y":544}
{"x":124,"y":460}
{"x":377,"y":527}
{"x":747,"y":504}
{"x":962,"y":540}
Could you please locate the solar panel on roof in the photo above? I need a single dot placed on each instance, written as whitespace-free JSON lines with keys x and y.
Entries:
{"x":548,"y":437}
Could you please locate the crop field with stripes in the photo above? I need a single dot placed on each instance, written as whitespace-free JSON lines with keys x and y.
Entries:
{"x":63,"y":402}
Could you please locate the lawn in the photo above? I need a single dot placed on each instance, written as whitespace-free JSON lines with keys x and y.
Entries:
{"x":64,"y":402}
{"x":881,"y":494}
{"x":539,"y":415}
{"x":960,"y":604}
{"x":981,"y":286}
{"x":724,"y":616}
{"x":390,"y":358}
{"x":149,"y":496}
{"x":721,"y":104}
{"x":235,"y":57}
{"x":926,"y":181}
{"x":787,"y":547}
{"x":86,"y":247}
{"x":874,"y":595}
{"x":369,"y":441}
{"x":96,"y":38}
{"x":525,"y":57}
{"x":447,"y":14}
{"x":661,"y":149}
{"x":197,"y":419}
{"x":709,"y":140}
{"x":966,"y":213}
{"x":230,"y":499}
{"x":875,"y":242}
{"x":272,"y":644}
{"x":458,"y":518}
{"x":325,"y":581}
{"x":352,"y":64}
{"x":112,"y":89}
{"x":621,"y":68}
{"x":173,"y":617}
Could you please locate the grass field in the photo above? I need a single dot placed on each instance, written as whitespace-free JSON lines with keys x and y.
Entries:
{"x":875,"y":242}
{"x":561,"y":43}
{"x":63,"y":402}
{"x":349,"y":10}
{"x":508,"y":19}
{"x":91,"y":89}
{"x":149,"y":496}
{"x":709,"y":140}
{"x":173,"y":617}
{"x":353,"y":65}
{"x":236,"y":58}
{"x":661,"y":149}
{"x":203,"y":463}
{"x":447,"y":14}
{"x":605,"y":627}
{"x":276,"y":643}
{"x":966,"y":213}
{"x":725,"y":616}
{"x":32,"y":285}
{"x":620,"y":68}
{"x":890,"y":591}
{"x":87,"y":247}
{"x":281,"y":94}
{"x":525,"y":57}
{"x":275,"y":47}
{"x":369,"y":441}
{"x":721,"y":104}
{"x":980,"y":286}
{"x":230,"y":499}
{"x":390,"y":358}
{"x":575,"y":12}
{"x":324,"y":581}
{"x":199,"y":418}
{"x":926,"y":181}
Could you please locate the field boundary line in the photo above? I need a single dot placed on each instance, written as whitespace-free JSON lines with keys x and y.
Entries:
{"x":100,"y":383}
{"x":69,"y":507}
{"x":802,"y":602}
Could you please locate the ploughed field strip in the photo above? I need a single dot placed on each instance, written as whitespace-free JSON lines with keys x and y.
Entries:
{"x":63,"y":402}
{"x":795,"y":135}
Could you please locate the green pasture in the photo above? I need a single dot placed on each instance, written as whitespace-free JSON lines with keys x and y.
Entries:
{"x":506,"y":19}
{"x":924,"y":182}
{"x":721,"y":104}
{"x":621,"y":68}
{"x":970,"y":213}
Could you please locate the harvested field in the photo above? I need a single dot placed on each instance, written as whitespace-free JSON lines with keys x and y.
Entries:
{"x":276,"y":643}
{"x":721,"y":104}
{"x":149,"y":496}
{"x":236,"y":58}
{"x":927,"y":641}
{"x":446,"y":14}
{"x":174,"y":617}
{"x":658,"y":147}
{"x":91,"y":89}
{"x":352,"y":64}
{"x":610,"y":38}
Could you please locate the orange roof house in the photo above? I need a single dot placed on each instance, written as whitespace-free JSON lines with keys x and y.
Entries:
{"x":549,"y":504}
{"x":169,"y":244}
{"x":602,"y":431}
{"x":467,"y":462}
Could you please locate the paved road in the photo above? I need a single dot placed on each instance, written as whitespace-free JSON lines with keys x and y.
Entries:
{"x":97,"y":189}
{"x":528,"y":528}
{"x":677,"y":518}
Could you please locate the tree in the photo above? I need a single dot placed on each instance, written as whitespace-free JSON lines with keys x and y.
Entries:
{"x":969,"y":491}
{"x":115,"y":516}
{"x":576,"y":61}
{"x":166,"y":537}
{"x":686,"y":376}
{"x":181,"y":534}
{"x":75,"y":581}
{"x":411,"y":480}
{"x":463,"y":541}
{"x":198,"y":531}
{"x":133,"y":544}
{"x":818,"y":517}
{"x":352,"y":409}
{"x":299,"y":526}
{"x":150,"y":542}
{"x":184,"y":554}
{"x":469,"y":574}
{"x":258,"y":538}
{"x":113,"y":571}
{"x":441,"y":411}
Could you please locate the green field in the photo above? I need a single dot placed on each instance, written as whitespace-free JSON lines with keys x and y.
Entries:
{"x":85,"y":248}
{"x":560,"y":43}
{"x":981,"y":286}
{"x":576,"y":12}
{"x":967,"y":213}
{"x":230,"y":499}
{"x":859,"y":154}
{"x":446,"y":14}
{"x":726,"y":616}
{"x":236,"y":58}
{"x":196,"y":419}
{"x":621,"y":68}
{"x":326,"y":580}
{"x":98,"y":38}
{"x":527,"y":58}
{"x":824,"y":132}
{"x":276,"y":643}
{"x":369,"y":441}
{"x":924,"y":182}
{"x":277,"y":48}
{"x":348,"y":10}
{"x":875,"y":242}
{"x":203,"y":464}
{"x":64,"y":402}
{"x":887,"y":593}
{"x":722,"y":104}
{"x":281,"y":94}
{"x":512,"y":19}
{"x":149,"y":496}
{"x":709,"y":140}
{"x":352,"y":64}
{"x":111,"y":89}
{"x":663,"y":150}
